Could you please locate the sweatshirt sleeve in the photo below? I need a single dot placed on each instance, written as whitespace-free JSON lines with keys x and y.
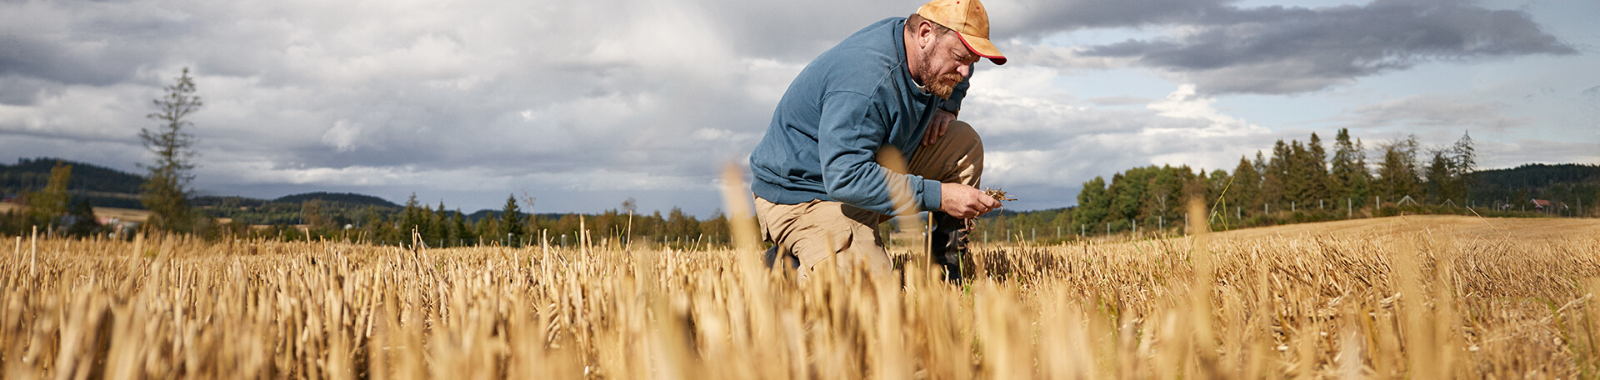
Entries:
{"x":848,"y":141}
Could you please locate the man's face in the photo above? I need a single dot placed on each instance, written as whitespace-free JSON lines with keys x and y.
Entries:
{"x":946,"y":64}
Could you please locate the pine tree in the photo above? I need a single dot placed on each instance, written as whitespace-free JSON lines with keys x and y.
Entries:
{"x":1246,"y":188}
{"x":1361,"y":189}
{"x":511,"y":222}
{"x":1347,"y":170}
{"x":1397,"y":174}
{"x":1272,"y":186}
{"x":166,"y":191}
{"x":438,"y":225}
{"x":459,"y":234}
{"x":1297,"y":181}
{"x":411,"y":219}
{"x":1439,"y":176}
{"x":1316,"y":164}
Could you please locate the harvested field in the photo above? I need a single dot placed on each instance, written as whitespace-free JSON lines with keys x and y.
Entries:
{"x":1404,"y":297}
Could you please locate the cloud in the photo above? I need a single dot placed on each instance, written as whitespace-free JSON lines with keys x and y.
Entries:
{"x":1529,"y":151}
{"x":1042,"y":145}
{"x":1277,"y":50}
{"x":1433,"y":112}
{"x":1038,"y":18}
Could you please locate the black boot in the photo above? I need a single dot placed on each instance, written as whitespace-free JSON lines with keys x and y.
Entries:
{"x":950,"y":244}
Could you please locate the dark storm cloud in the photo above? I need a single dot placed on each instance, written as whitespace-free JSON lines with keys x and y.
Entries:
{"x":1036,"y":18}
{"x":1288,"y":50}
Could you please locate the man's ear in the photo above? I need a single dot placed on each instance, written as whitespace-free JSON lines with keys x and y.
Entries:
{"x":925,"y":32}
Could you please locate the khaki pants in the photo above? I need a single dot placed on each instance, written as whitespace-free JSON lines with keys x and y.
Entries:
{"x":819,"y":231}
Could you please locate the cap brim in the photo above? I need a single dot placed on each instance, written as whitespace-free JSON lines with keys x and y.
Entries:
{"x":983,"y":48}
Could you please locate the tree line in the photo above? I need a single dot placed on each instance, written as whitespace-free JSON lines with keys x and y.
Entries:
{"x":1302,"y":182}
{"x":438,"y":226}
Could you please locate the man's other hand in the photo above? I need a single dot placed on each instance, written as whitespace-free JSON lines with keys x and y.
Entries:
{"x":936,"y":127}
{"x":964,"y":201}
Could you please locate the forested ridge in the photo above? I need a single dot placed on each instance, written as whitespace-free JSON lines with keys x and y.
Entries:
{"x":1298,"y":181}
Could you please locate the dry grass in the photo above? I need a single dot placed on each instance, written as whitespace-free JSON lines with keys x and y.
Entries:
{"x":1390,"y":298}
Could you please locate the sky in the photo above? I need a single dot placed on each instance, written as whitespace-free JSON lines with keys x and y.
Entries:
{"x":580,"y":105}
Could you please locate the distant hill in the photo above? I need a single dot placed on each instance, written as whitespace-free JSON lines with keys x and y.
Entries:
{"x":106,"y":187}
{"x":1538,"y":175}
{"x":101,"y":186}
{"x":1565,"y":183}
{"x":346,"y":198}
{"x":34,"y":174}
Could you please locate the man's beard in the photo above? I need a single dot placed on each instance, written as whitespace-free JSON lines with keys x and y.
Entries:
{"x":940,"y":86}
{"x":936,"y":83}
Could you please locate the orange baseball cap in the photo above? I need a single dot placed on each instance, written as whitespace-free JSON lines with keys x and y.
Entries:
{"x":967,"y":18}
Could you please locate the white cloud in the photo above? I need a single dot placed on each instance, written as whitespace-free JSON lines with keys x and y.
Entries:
{"x":342,"y":137}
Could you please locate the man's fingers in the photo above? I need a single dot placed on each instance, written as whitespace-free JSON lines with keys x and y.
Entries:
{"x":935,"y":131}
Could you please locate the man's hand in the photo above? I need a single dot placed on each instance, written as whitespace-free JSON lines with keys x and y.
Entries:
{"x":936,"y":127}
{"x":964,"y":201}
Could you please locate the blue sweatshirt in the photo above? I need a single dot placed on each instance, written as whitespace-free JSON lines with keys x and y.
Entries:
{"x":852,"y":100}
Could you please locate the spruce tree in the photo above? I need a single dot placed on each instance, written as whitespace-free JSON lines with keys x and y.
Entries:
{"x":511,"y":222}
{"x":411,"y":219}
{"x":1346,"y":171}
{"x":459,"y":233}
{"x":1439,"y":177}
{"x":1272,"y":186}
{"x":1246,"y":189}
{"x":1296,"y":177}
{"x":1316,"y":164}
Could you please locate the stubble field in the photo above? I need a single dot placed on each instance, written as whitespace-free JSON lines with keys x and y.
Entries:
{"x":1404,"y":297}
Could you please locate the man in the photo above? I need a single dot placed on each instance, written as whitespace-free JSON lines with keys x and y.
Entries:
{"x":898,"y":83}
